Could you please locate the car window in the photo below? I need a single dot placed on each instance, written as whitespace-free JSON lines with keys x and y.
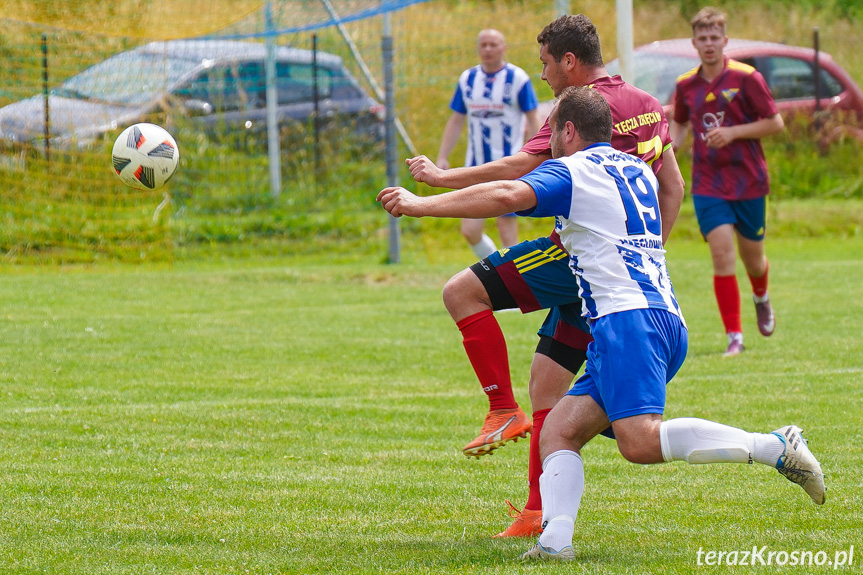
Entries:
{"x":231,"y":87}
{"x":656,"y":74}
{"x":793,"y":79}
{"x":344,"y":86}
{"x":296,"y":83}
{"x":130,"y":78}
{"x":242,"y":86}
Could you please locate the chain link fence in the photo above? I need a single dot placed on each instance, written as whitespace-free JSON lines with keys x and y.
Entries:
{"x":61,"y":202}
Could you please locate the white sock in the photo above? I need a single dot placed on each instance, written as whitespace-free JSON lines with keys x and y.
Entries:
{"x":761,"y":299}
{"x":767,"y":448}
{"x":701,"y":441}
{"x":484,"y":248}
{"x":735,"y":336}
{"x":561,"y":486}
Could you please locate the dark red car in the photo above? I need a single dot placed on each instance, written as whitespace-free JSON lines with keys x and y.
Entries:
{"x":788,"y":71}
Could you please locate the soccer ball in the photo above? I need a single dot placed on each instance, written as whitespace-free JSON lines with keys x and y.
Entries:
{"x":145,"y":156}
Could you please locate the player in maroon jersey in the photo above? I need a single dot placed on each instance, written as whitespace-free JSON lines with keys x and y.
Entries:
{"x":729,"y":108}
{"x":535,"y":274}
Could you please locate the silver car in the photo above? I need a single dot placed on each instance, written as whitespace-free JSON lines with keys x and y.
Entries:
{"x":219,"y":83}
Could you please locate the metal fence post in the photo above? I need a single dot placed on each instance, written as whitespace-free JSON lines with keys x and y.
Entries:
{"x":394,"y":255}
{"x":316,"y":124}
{"x":272,"y":103}
{"x":624,"y":40}
{"x":46,"y":97}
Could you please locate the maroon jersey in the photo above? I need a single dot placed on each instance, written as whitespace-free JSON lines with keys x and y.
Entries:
{"x":739,"y":95}
{"x":640,"y":127}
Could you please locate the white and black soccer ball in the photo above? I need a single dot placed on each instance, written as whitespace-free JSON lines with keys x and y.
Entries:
{"x":145,"y":156}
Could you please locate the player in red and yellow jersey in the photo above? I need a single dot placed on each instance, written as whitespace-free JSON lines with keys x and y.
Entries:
{"x":728,"y":107}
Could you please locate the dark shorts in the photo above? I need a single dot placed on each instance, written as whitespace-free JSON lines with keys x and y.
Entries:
{"x":749,"y":217}
{"x":535,"y":275}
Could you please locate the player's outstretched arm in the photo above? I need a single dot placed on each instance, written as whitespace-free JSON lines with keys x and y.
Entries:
{"x":509,"y":168}
{"x":424,"y":170}
{"x":487,"y":200}
{"x":400,"y":202}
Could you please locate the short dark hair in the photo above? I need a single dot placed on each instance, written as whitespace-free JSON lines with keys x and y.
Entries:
{"x":573,"y":33}
{"x":587,"y":110}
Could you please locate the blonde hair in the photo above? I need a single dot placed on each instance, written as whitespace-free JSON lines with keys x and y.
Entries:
{"x":707,"y":18}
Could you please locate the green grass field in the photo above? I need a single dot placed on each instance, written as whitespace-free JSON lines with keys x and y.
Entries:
{"x":283,"y":416}
{"x":240,"y":411}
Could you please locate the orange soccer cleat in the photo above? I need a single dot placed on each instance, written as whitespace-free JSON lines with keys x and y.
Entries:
{"x":500,"y":426}
{"x":528,"y":523}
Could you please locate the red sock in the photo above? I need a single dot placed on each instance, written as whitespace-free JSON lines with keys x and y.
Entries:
{"x":534,"y":466}
{"x":486,"y":348}
{"x":728,"y":297}
{"x":759,"y":285}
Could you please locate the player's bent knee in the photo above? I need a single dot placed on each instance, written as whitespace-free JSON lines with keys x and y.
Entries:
{"x":456,"y":288}
{"x":635,"y":453}
{"x":553,"y":436}
{"x":559,"y":433}
{"x":464,"y":294}
{"x":641,"y":450}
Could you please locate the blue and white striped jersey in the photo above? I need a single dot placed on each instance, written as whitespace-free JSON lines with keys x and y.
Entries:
{"x":495,"y":105}
{"x":606,"y":210}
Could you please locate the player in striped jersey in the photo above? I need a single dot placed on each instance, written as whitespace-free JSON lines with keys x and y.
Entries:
{"x":606,"y":206}
{"x":729,"y":107}
{"x":499,"y":104}
{"x":534,"y":274}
